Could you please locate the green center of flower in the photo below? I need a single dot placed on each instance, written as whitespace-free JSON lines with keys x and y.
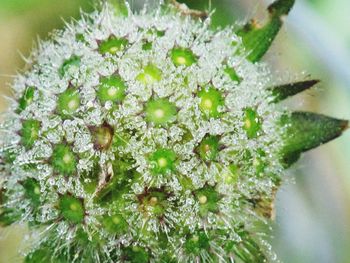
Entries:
{"x":111,"y":89}
{"x":154,"y":203}
{"x":163,"y":161}
{"x":68,"y":101}
{"x":150,"y":75}
{"x":210,"y":101}
{"x":252,"y":123}
{"x":202,"y":199}
{"x":160,"y":111}
{"x":230,"y":174}
{"x":197,"y":242}
{"x":71,"y":209}
{"x":26,"y":99}
{"x":209,"y":148}
{"x":30,"y":132}
{"x":63,"y":160}
{"x":208,"y":199}
{"x":32,"y":190}
{"x":115,"y":223}
{"x":183,"y":56}
{"x":113,"y":45}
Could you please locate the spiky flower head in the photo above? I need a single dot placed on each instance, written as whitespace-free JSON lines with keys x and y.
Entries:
{"x":150,"y":137}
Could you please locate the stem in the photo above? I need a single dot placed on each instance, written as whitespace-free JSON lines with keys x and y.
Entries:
{"x":183,"y":9}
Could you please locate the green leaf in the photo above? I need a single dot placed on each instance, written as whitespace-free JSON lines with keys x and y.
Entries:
{"x":257,"y":39}
{"x":284,"y":91}
{"x":305,"y":131}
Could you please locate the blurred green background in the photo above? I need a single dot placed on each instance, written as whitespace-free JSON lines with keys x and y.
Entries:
{"x":313,"y":207}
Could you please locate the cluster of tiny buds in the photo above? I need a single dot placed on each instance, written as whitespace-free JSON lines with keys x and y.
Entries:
{"x":145,"y":138}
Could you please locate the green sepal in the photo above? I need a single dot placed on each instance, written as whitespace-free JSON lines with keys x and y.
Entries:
{"x":44,"y":254}
{"x":118,"y":185}
{"x":256,"y":39}
{"x":247,"y":250}
{"x":305,"y":130}
{"x":72,"y":209}
{"x":281,"y":92}
{"x":147,"y":46}
{"x":26,"y":99}
{"x":229,"y":174}
{"x":30,"y":132}
{"x":84,"y":239}
{"x":231,"y":72}
{"x":252,"y":123}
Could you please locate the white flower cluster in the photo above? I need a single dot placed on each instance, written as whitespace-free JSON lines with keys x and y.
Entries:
{"x":141,"y":138}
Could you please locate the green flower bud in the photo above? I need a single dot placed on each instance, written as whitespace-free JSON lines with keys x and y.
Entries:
{"x":26,"y":99}
{"x":160,"y":112}
{"x":71,"y":208}
{"x":210,"y":101}
{"x":150,"y":75}
{"x":183,"y":57}
{"x":209,"y":148}
{"x":68,"y":102}
{"x":163,"y":161}
{"x":113,"y":45}
{"x":73,"y":62}
{"x":63,"y":160}
{"x":111,"y":89}
{"x":30,"y":132}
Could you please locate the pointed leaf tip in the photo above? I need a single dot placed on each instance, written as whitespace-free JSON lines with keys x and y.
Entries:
{"x":305,"y":131}
{"x":281,"y":7}
{"x":284,"y":91}
{"x":257,"y":40}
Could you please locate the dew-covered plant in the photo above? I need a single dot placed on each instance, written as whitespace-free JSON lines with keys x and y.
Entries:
{"x":150,"y":137}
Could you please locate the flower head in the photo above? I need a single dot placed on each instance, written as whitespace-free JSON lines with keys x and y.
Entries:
{"x":147,"y":137}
